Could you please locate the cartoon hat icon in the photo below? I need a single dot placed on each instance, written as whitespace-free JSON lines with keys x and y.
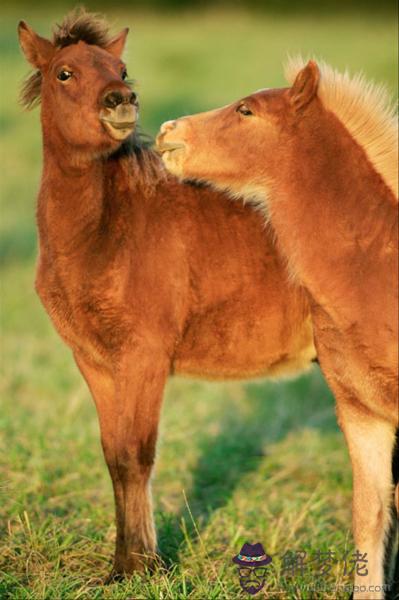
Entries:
{"x":252,"y":555}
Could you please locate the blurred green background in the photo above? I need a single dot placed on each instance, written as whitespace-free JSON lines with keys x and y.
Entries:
{"x":257,"y":461}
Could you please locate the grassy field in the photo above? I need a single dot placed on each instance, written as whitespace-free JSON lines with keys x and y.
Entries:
{"x":236,"y":462}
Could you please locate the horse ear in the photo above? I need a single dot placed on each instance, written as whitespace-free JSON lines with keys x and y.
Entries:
{"x":117,"y":45}
{"x":305,"y":85}
{"x":37,"y":50}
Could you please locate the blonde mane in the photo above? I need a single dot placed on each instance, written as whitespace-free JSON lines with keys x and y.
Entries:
{"x":365,"y":109}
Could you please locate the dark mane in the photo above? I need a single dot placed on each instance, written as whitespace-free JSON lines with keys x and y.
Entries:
{"x":138,"y":162}
{"x":134,"y":144}
{"x":78,"y":25}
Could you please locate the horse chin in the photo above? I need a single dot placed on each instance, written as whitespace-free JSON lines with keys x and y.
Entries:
{"x":118,"y":131}
{"x":173,"y":160}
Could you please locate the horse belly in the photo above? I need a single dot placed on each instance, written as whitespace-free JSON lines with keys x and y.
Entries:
{"x":241,"y":342}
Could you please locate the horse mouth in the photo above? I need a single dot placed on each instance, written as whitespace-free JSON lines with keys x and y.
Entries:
{"x":163,"y":147}
{"x":119,"y":130}
{"x":173,"y":155}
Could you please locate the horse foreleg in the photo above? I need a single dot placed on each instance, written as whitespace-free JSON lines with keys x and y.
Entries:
{"x":139,"y":390}
{"x":128,"y":403}
{"x":102,"y":388}
{"x":370,"y":441}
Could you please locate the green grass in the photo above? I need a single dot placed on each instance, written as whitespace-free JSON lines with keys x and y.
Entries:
{"x":236,"y":462}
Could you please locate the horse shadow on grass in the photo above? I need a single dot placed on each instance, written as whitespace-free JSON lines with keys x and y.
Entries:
{"x":272,"y":411}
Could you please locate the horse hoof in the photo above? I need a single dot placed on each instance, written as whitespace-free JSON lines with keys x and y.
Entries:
{"x":113,"y":577}
{"x":140,"y":565}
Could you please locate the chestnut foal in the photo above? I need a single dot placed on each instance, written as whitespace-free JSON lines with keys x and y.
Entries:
{"x":141,"y":275}
{"x":321,"y":157}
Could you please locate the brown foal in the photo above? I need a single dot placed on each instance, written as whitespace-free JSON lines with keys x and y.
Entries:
{"x":321,"y":158}
{"x":141,"y":275}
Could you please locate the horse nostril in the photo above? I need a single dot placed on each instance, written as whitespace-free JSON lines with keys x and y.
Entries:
{"x":132,"y":98}
{"x":112,"y":99}
{"x":168,"y":126}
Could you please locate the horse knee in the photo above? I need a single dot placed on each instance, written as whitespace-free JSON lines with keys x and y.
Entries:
{"x":109,"y":452}
{"x":146,"y":450}
{"x":136,"y":458}
{"x":371,"y":525}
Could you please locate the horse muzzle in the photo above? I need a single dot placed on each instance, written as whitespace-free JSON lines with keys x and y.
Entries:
{"x":172,"y":146}
{"x":119,"y":121}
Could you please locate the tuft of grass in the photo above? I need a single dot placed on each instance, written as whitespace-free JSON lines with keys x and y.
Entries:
{"x":236,"y":462}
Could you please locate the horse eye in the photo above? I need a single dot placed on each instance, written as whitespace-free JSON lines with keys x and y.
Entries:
{"x":244,"y":110}
{"x":124,"y":75}
{"x":64,"y":75}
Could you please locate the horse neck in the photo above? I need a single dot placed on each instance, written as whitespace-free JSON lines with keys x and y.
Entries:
{"x":70,"y":198}
{"x":80,"y":196}
{"x":332,"y":211}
